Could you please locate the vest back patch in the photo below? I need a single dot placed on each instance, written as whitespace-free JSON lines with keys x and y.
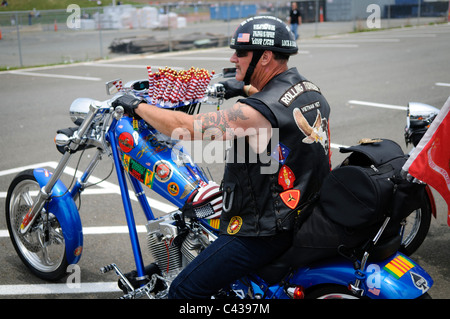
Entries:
{"x":296,"y":90}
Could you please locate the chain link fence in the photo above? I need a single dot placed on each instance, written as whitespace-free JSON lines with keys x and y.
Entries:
{"x":32,"y":38}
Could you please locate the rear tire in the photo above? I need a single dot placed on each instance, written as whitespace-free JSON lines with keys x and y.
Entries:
{"x":416,"y":228}
{"x":331,"y":292}
{"x":42,"y":249}
{"x":341,"y":292}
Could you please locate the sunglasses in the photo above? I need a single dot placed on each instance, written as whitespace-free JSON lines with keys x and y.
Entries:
{"x":241,"y":53}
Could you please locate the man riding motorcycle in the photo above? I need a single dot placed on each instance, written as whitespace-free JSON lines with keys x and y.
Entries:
{"x":278,"y":160}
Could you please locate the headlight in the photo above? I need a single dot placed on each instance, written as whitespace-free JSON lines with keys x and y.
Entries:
{"x":420,"y":114}
{"x":418,"y":119}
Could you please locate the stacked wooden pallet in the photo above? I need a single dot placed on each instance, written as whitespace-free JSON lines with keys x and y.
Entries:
{"x":152,"y":44}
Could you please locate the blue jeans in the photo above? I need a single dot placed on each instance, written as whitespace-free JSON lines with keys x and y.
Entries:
{"x":227,"y":259}
{"x":294,"y":29}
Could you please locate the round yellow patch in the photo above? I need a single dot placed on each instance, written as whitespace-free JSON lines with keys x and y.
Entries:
{"x":235,"y":225}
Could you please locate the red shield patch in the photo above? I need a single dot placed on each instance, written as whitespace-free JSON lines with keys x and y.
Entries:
{"x":290,"y":198}
{"x":286,"y":177}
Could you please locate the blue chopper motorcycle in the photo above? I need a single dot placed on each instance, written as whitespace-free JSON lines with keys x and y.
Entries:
{"x":45,"y":227}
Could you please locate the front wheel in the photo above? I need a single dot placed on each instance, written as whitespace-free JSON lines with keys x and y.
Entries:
{"x":42,"y":249}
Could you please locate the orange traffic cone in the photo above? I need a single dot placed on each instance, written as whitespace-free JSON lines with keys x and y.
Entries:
{"x":321,"y":14}
{"x":56,"y":26}
{"x":0,"y":34}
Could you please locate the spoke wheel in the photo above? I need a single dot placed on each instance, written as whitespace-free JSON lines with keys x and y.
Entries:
{"x":42,"y":249}
{"x":415,"y":228}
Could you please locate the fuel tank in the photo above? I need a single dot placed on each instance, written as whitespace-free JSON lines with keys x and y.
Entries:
{"x":157,"y":161}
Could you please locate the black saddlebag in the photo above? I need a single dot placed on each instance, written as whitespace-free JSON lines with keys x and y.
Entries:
{"x":367,"y":187}
{"x":355,"y":199}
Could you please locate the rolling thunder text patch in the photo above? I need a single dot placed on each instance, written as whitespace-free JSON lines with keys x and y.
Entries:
{"x":296,"y":90}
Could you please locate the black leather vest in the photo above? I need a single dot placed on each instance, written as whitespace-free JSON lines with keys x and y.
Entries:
{"x":262,"y":191}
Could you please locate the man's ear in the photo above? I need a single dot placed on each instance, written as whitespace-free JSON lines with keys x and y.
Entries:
{"x":266,"y":58}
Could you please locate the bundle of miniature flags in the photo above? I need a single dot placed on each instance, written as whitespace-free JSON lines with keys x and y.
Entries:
{"x":173,"y":88}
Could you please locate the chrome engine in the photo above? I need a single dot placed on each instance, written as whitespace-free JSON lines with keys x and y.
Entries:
{"x":173,"y":243}
{"x":192,"y":245}
{"x":163,"y":249}
{"x":171,"y":251}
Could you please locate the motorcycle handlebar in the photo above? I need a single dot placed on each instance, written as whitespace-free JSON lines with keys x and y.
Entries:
{"x":216,"y":91}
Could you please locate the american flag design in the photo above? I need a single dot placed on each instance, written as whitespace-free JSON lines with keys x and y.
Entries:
{"x":243,"y":37}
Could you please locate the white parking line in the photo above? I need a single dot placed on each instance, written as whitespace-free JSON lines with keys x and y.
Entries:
{"x":108,"y":188}
{"x":329,"y":45}
{"x":58,"y":76}
{"x":442,"y":84}
{"x":130,"y":66}
{"x":111,"y":230}
{"x":189,"y":58}
{"x":71,"y":288}
{"x":103,"y":230}
{"x":386,"y":106}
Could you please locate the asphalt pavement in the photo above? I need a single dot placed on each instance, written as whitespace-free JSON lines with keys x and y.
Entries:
{"x":389,"y":67}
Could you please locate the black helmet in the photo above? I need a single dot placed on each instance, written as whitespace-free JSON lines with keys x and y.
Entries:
{"x":262,"y":33}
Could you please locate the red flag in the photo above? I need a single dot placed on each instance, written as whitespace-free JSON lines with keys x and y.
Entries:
{"x":430,"y":161}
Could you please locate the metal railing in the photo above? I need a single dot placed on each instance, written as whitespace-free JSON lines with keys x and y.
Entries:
{"x":31,"y":38}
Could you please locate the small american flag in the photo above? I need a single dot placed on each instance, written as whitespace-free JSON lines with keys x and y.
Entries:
{"x":243,"y":37}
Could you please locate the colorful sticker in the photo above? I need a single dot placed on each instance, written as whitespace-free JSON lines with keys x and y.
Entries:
{"x":398,"y":266}
{"x":214,"y":223}
{"x":163,"y":171}
{"x":188,"y":188}
{"x":77,"y":251}
{"x":243,"y":37}
{"x":280,"y":153}
{"x":291,"y":198}
{"x":126,"y":142}
{"x":375,"y":291}
{"x":235,"y":225}
{"x":138,"y":171}
{"x":419,"y":282}
{"x":173,"y":189}
{"x":148,"y":181}
{"x":286,"y":177}
{"x":151,"y":145}
{"x":26,"y":220}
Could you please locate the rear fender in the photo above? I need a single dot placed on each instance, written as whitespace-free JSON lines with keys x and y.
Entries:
{"x":64,"y":208}
{"x":397,"y":277}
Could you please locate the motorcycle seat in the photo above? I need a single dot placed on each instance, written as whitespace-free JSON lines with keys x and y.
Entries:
{"x":384,"y":248}
{"x":278,"y":269}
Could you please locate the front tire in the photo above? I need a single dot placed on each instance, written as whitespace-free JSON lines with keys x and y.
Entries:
{"x":42,"y":249}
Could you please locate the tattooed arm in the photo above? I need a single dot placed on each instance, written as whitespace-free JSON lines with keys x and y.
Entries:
{"x":237,"y":121}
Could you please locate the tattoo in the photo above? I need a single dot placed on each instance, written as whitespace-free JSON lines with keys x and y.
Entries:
{"x":214,"y":125}
{"x":235,"y":113}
